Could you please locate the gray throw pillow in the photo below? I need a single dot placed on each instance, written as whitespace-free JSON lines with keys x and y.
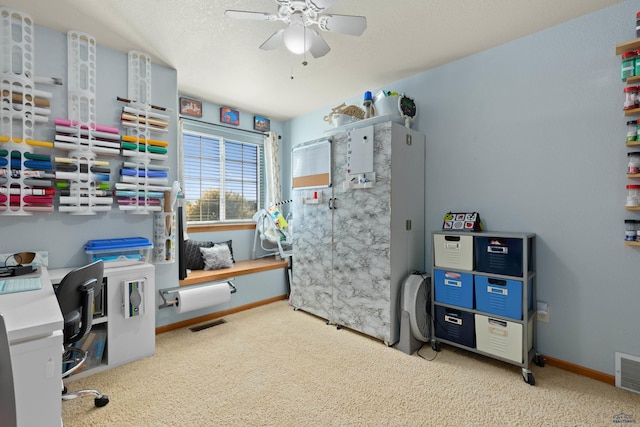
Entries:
{"x":217,"y":257}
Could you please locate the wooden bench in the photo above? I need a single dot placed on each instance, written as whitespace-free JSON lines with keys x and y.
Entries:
{"x":239,"y":268}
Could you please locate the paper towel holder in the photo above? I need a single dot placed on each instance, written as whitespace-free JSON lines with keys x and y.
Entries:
{"x":170,"y":293}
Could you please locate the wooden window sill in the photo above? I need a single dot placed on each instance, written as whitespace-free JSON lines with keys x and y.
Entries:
{"x":239,"y":268}
{"x":220,"y":227}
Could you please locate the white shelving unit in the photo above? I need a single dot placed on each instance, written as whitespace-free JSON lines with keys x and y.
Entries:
{"x":483,"y":288}
{"x":128,"y":338}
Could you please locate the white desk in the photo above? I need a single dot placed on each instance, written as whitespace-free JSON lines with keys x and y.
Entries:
{"x":34,"y":327}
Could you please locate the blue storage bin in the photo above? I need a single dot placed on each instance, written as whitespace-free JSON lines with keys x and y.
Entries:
{"x":119,"y":252}
{"x":454,"y":288}
{"x":499,"y":255}
{"x":455,"y":325}
{"x":500,"y":296}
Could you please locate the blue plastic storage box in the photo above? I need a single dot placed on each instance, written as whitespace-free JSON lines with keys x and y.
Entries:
{"x":455,"y":325}
{"x":500,"y":296}
{"x":119,"y":252}
{"x":454,"y":288}
{"x":499,"y":255}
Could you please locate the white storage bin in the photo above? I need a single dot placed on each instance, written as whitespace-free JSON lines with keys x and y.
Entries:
{"x":453,"y":251}
{"x":501,"y":338}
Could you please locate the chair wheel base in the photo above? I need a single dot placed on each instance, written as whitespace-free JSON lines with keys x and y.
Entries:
{"x":101,"y":401}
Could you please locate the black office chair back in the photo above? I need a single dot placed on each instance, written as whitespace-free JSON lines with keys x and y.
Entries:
{"x":75,"y":297}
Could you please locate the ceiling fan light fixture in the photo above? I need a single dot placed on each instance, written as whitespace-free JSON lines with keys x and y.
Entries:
{"x":298,"y":39}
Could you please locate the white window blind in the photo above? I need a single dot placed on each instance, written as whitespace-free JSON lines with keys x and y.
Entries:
{"x":222,"y":172}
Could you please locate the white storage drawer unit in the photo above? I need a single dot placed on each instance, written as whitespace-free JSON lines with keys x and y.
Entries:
{"x":501,"y":337}
{"x":453,"y":251}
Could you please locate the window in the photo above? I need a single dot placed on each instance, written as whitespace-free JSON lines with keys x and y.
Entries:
{"x":221,"y":175}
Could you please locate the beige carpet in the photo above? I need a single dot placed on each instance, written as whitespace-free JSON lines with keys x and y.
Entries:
{"x":273,"y":366}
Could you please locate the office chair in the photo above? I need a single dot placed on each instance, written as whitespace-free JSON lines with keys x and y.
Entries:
{"x":7,"y":391}
{"x":75,"y":297}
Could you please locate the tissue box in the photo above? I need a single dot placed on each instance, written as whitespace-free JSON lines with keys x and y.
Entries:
{"x":119,"y":252}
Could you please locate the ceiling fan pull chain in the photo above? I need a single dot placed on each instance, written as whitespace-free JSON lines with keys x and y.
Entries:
{"x":304,"y":59}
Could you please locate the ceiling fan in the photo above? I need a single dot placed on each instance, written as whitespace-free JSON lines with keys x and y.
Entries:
{"x":298,"y":37}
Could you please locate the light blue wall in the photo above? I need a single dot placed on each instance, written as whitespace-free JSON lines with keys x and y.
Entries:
{"x":211,"y":114}
{"x":251,"y":288}
{"x":531,"y":135}
{"x":63,"y":236}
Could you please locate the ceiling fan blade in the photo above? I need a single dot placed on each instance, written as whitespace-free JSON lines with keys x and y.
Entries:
{"x":343,"y":24}
{"x":319,"y":46}
{"x":273,"y":42}
{"x":253,"y":16}
{"x":319,"y":5}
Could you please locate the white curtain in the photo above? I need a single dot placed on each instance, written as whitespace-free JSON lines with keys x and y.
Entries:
{"x":272,"y":168}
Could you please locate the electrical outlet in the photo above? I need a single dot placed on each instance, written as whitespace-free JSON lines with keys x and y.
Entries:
{"x":542,"y":311}
{"x":543,"y":316}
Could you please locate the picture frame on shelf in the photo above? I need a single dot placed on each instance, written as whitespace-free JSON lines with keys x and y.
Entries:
{"x":229,"y":116}
{"x":190,"y":107}
{"x":262,"y":124}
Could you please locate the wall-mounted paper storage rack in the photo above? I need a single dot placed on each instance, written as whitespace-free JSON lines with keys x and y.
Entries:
{"x":143,"y":181}
{"x":83,"y":179}
{"x":26,"y":178}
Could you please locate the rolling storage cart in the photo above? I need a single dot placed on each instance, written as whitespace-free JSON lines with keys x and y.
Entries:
{"x":484,"y":295}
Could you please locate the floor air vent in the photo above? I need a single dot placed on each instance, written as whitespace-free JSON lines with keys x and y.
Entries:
{"x":207,"y":325}
{"x":628,"y":372}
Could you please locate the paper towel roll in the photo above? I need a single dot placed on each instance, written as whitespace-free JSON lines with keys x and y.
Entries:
{"x":202,"y":297}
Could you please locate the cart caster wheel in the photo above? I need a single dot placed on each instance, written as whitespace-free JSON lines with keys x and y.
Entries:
{"x":327,"y":322}
{"x":338,"y":327}
{"x":530,"y":379}
{"x":101,"y":401}
{"x":539,"y":360}
{"x":435,"y":345}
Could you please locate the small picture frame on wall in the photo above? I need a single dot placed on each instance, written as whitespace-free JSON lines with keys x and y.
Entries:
{"x":229,"y":116}
{"x":261,"y":124}
{"x":190,"y":107}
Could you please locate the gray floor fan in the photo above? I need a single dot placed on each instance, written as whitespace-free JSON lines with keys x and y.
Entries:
{"x":415,"y":318}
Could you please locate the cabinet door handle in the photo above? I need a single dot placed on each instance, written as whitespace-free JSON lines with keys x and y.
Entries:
{"x":334,"y":203}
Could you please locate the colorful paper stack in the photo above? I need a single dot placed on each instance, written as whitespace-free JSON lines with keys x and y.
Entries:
{"x":99,"y":139}
{"x":35,"y":172}
{"x":133,"y":147}
{"x":135,"y":118}
{"x":83,"y":185}
{"x":142,"y":186}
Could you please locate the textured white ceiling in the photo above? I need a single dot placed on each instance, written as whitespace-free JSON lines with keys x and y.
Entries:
{"x":218,"y":58}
